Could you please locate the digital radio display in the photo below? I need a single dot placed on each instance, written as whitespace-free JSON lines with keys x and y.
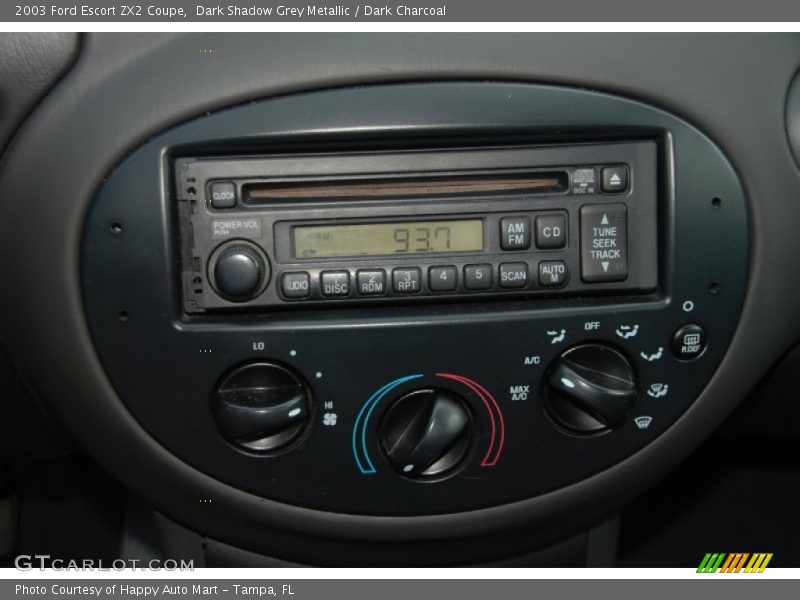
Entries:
{"x":380,"y":239}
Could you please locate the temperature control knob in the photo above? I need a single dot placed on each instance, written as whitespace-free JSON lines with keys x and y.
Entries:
{"x":589,"y":388}
{"x":426,"y":433}
{"x":261,"y":406}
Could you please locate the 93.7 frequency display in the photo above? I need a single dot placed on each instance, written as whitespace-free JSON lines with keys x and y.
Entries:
{"x":381,"y":239}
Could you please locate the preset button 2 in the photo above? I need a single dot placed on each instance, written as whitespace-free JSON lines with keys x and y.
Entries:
{"x":371,"y":282}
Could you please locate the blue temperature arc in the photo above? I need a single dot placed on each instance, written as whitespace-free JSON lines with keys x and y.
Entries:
{"x":362,"y":420}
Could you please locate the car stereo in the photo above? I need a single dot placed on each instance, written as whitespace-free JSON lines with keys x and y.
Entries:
{"x":290,"y":231}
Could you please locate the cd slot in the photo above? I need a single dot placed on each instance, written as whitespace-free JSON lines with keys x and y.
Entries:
{"x":428,"y":186}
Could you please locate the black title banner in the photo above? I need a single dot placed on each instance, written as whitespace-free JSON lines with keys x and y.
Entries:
{"x":577,"y":11}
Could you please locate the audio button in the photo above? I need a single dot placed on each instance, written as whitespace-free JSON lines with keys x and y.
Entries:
{"x":296,"y":285}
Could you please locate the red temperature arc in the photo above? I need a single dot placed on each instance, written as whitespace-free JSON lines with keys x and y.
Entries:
{"x":498,"y":434}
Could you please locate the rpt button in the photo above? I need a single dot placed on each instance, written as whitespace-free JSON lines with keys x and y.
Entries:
{"x":604,"y":242}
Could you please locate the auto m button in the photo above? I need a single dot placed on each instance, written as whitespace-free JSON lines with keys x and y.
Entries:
{"x":604,"y":242}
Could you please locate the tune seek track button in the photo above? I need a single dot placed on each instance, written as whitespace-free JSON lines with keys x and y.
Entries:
{"x":604,"y":242}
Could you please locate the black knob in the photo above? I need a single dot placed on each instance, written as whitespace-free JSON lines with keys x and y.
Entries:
{"x":239,"y":271}
{"x":261,"y":406}
{"x":426,"y":433}
{"x":589,"y":388}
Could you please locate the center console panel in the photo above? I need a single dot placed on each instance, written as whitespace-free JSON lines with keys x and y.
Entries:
{"x":349,"y":303}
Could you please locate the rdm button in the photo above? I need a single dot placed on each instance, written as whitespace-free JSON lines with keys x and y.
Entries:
{"x":604,"y":242}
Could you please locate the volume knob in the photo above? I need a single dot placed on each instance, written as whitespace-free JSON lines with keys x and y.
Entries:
{"x":589,"y":388}
{"x":239,"y":271}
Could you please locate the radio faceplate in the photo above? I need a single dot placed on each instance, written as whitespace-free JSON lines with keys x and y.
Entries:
{"x":418,"y":226}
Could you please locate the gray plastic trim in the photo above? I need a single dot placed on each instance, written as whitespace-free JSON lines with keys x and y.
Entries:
{"x":126,"y":88}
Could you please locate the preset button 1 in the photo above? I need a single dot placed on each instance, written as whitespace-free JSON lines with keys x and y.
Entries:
{"x":335,"y":284}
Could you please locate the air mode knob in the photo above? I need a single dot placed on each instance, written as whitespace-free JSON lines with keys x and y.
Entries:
{"x":589,"y":388}
{"x":261,"y":406}
{"x":426,"y":433}
{"x":239,"y":271}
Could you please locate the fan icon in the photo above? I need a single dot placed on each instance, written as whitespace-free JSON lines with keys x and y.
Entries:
{"x":329,"y":419}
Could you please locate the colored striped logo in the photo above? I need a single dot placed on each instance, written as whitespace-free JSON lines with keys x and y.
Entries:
{"x":721,"y":562}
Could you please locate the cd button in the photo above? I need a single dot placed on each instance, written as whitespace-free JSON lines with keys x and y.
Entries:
{"x":335,"y":284}
{"x":515,"y":233}
{"x":478,"y":277}
{"x":513,"y":275}
{"x":551,"y":232}
{"x":371,"y":282}
{"x":296,"y":285}
{"x":406,"y":281}
{"x":442,"y":279}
